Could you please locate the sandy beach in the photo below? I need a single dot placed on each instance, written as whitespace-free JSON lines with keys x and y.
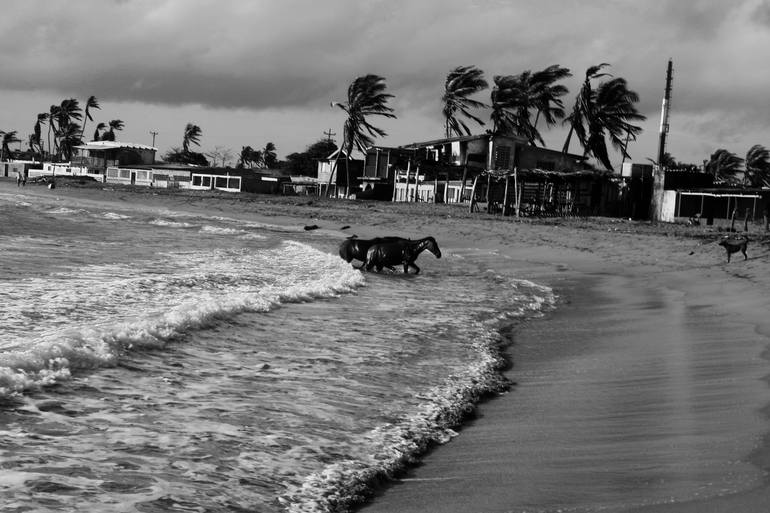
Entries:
{"x":644,"y":390}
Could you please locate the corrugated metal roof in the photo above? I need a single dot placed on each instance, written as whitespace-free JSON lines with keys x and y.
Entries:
{"x":112,"y":145}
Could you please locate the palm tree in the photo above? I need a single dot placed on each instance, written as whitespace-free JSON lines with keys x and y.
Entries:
{"x":607,"y":111}
{"x":460,"y":84}
{"x":192,"y":134}
{"x":366,"y":97}
{"x":8,"y":139}
{"x":583,"y":105}
{"x":269,"y":155}
{"x":614,"y":110}
{"x":69,"y":138}
{"x":548,"y":94}
{"x":52,"y":115}
{"x":757,"y":166}
{"x":115,"y":124}
{"x":502,"y":97}
{"x":249,"y":157}
{"x":517,"y":98}
{"x":98,"y":132}
{"x":91,"y":103}
{"x":42,"y":118}
{"x":68,"y":110}
{"x":244,"y":158}
{"x":724,"y":165}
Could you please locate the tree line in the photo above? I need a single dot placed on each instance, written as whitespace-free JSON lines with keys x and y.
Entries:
{"x":603,"y":114}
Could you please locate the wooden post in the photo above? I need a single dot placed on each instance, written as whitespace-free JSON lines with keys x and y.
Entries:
{"x":516,"y":194}
{"x":446,"y":189}
{"x":473,"y":194}
{"x":408,"y":170}
{"x":505,"y":195}
{"x":465,"y":176}
{"x":732,"y":219}
{"x":435,"y":189}
{"x":746,"y":220}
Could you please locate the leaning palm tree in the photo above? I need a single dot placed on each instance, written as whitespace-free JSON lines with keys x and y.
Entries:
{"x":518,"y":102}
{"x":547,"y":94}
{"x":69,"y":138}
{"x":68,"y":110}
{"x":244,"y":158}
{"x":91,"y":103}
{"x":366,"y":97}
{"x":98,"y":132}
{"x":269,"y":155}
{"x":37,"y":136}
{"x":504,"y":98}
{"x":724,"y":165}
{"x":192,"y":134}
{"x":612,"y":115}
{"x":8,"y":139}
{"x":115,"y":124}
{"x":577,"y":119}
{"x":607,"y":111}
{"x":757,"y":167}
{"x":460,"y":84}
{"x":53,"y":114}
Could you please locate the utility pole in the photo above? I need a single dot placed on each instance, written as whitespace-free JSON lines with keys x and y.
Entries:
{"x":659,"y":173}
{"x":153,"y":133}
{"x":329,"y":134}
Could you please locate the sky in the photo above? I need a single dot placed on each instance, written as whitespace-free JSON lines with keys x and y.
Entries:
{"x":250,"y":72}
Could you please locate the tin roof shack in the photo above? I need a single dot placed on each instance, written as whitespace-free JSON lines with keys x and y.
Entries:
{"x":97,"y":156}
{"x":167,"y":176}
{"x":333,"y":183}
{"x":382,"y":165}
{"x":237,"y":180}
{"x":452,"y":164}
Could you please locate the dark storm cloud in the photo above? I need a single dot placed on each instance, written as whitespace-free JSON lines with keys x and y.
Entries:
{"x":300,"y":54}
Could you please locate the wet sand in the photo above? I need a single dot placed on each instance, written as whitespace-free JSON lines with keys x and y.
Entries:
{"x":645,"y":390}
{"x":639,"y":394}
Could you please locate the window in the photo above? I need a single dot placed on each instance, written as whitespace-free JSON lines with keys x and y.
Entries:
{"x":502,"y":157}
{"x":234,"y":183}
{"x":196,"y":181}
{"x":125,"y":173}
{"x":220,"y":182}
{"x":206,"y":181}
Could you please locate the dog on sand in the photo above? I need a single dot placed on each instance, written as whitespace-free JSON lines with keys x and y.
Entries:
{"x":733,"y":244}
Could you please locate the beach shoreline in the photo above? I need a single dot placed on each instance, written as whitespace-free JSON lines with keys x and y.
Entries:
{"x":593,"y":265}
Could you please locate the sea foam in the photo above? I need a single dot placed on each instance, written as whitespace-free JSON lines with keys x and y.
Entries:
{"x":344,"y":484}
{"x":95,"y":314}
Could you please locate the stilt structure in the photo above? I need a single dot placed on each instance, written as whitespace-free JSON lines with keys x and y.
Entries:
{"x":659,"y":173}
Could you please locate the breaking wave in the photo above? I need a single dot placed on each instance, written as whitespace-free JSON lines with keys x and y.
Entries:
{"x":150,"y":307}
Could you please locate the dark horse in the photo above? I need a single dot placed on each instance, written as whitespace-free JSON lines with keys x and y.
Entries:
{"x":355,"y":249}
{"x":389,"y":254}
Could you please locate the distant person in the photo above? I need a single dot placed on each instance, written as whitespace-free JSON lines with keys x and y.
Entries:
{"x":24,"y":177}
{"x":18,"y":178}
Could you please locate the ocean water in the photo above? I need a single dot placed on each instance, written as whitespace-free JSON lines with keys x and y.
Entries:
{"x":156,"y":360}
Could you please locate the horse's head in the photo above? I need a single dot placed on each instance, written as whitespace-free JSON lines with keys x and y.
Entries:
{"x":433,"y":247}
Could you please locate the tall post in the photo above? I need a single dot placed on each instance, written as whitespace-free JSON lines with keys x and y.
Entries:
{"x":659,"y":173}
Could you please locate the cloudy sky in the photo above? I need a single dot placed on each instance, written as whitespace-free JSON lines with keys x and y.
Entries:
{"x":253,"y":71}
